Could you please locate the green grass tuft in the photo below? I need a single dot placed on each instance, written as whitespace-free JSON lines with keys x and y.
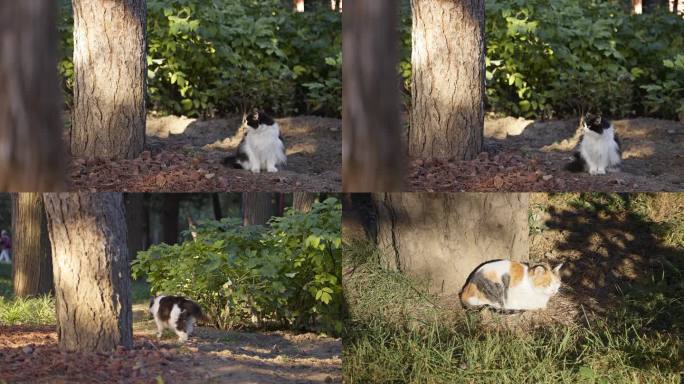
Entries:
{"x":31,"y":311}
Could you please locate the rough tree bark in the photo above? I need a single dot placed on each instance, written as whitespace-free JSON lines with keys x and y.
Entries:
{"x":169,"y":217}
{"x":135,"y":223}
{"x":257,"y":208}
{"x":372,"y":148}
{"x":448,"y":84}
{"x":110,"y":69}
{"x":31,"y":153}
{"x":303,"y":201}
{"x":32,"y":261}
{"x":91,"y":270}
{"x":443,"y":237}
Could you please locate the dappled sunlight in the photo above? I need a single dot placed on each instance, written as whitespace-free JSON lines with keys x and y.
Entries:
{"x":163,"y":127}
{"x":639,"y":150}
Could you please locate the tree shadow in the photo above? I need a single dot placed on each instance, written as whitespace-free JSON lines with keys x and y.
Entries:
{"x":616,"y":263}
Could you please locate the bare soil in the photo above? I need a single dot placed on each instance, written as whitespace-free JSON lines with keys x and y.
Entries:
{"x":30,"y":355}
{"x":527,"y":156}
{"x":184,"y":155}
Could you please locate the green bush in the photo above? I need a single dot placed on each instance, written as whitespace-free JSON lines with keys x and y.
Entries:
{"x":287,"y":274}
{"x":217,"y":56}
{"x":554,"y":58}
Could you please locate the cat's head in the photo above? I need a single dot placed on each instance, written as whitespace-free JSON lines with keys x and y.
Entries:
{"x":257,"y":118}
{"x":545,"y":279}
{"x":594,"y":123}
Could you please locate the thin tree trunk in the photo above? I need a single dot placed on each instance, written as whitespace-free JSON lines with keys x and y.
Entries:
{"x":32,"y":261}
{"x":216,"y":205}
{"x":303,"y":201}
{"x":257,"y":208}
{"x":448,"y":84}
{"x":31,"y":153}
{"x":110,"y":69}
{"x":169,"y":217}
{"x":299,"y":5}
{"x":443,"y":237}
{"x":372,"y":148}
{"x":637,"y":7}
{"x":91,"y":271}
{"x":135,"y":220}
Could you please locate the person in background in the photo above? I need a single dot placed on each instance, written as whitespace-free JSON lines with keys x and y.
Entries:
{"x":5,"y":247}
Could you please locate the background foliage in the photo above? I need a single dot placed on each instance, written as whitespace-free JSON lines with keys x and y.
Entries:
{"x":285,"y":275}
{"x":553,"y":58}
{"x":214,"y":56}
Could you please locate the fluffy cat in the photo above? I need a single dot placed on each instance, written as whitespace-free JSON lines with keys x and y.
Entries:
{"x":176,"y":313}
{"x":261,"y":148}
{"x":599,"y":150}
{"x":510,"y":286}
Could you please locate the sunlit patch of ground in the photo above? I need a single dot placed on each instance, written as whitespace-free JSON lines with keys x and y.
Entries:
{"x":523,"y":155}
{"x":185,"y":155}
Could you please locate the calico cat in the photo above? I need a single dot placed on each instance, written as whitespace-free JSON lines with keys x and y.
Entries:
{"x":599,"y":150}
{"x":510,"y":286}
{"x":261,"y":148}
{"x":176,"y":313}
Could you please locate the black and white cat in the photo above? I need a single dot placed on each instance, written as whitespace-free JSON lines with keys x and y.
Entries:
{"x":176,"y":313}
{"x":262,"y":148}
{"x":599,"y":150}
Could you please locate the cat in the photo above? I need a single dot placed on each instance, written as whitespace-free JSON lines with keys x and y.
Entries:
{"x":176,"y":313}
{"x":510,"y":286}
{"x":262,"y":146}
{"x":599,"y":150}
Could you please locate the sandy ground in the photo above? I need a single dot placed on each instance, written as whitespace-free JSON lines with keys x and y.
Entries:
{"x":184,"y":155}
{"x":29,"y":354}
{"x":523,"y":155}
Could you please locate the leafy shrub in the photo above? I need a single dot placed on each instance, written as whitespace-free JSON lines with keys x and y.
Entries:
{"x":549,"y":58}
{"x":286,"y":274}
{"x":217,"y":56}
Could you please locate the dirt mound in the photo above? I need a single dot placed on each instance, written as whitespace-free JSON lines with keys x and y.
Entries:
{"x":184,"y":155}
{"x":526,"y":156}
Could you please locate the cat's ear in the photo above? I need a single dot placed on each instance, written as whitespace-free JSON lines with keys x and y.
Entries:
{"x":556,"y":270}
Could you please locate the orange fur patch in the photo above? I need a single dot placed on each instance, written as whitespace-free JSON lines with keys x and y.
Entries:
{"x":491,"y":276}
{"x":542,"y":279}
{"x":470,"y":290}
{"x":517,"y":273}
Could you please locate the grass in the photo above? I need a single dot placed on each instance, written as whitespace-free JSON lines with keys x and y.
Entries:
{"x":397,"y":333}
{"x":41,"y":310}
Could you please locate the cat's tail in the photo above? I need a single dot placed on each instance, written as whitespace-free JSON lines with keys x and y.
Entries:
{"x":576,"y":165}
{"x":231,"y":161}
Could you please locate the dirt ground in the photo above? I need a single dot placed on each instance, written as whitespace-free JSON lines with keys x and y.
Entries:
{"x":184,"y":155}
{"x":526,"y":156}
{"x":30,"y":355}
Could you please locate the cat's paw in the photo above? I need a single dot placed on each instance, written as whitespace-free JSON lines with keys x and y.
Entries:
{"x":159,"y":335}
{"x":272,"y":169}
{"x":255,"y":170}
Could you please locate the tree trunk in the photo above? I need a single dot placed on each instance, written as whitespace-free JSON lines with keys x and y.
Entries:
{"x":372,"y":148}
{"x":448,"y":84}
{"x":257,"y":208}
{"x":32,"y":261}
{"x":110,"y":69}
{"x":299,"y":5}
{"x":91,"y":271}
{"x":216,"y":205}
{"x":169,"y":217}
{"x":31,"y":154}
{"x":443,"y":237}
{"x":135,"y":221}
{"x":303,"y":201}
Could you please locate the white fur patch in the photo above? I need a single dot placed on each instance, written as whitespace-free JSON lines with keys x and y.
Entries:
{"x":600,"y":151}
{"x":264,"y":149}
{"x":172,"y":322}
